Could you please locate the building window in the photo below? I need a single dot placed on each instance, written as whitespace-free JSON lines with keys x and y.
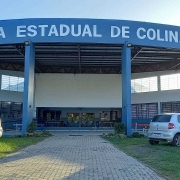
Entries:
{"x":145,"y":110}
{"x":11,"y":109}
{"x":144,"y":85}
{"x":73,"y":116}
{"x":170,"y":82}
{"x":73,"y":119}
{"x":170,"y":107}
{"x":88,"y":116}
{"x":12,"y":83}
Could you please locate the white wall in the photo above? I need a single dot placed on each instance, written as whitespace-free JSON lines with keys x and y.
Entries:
{"x":11,"y":95}
{"x":93,"y":90}
{"x":85,"y":90}
{"x":81,"y":90}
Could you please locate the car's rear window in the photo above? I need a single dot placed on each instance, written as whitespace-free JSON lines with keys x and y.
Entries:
{"x":161,"y":118}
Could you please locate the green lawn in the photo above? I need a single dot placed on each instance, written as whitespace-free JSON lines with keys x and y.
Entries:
{"x":12,"y":144}
{"x":164,"y":158}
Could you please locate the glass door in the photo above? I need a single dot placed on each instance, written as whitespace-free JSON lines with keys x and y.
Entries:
{"x":52,"y":118}
{"x":87,"y":120}
{"x":73,"y":119}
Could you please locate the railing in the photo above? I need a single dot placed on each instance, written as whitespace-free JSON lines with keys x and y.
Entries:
{"x":141,"y":128}
{"x":10,"y":124}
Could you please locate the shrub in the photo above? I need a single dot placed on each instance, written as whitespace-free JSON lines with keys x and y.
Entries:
{"x":103,"y":133}
{"x":121,"y":136}
{"x":119,"y":128}
{"x":32,"y":127}
{"x":136,"y":135}
{"x":45,"y":133}
{"x":38,"y":134}
{"x":110,"y":134}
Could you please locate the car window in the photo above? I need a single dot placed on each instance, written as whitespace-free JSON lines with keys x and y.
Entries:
{"x":161,"y":118}
{"x":178,"y":119}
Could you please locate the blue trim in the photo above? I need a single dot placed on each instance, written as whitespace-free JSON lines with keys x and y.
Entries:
{"x":126,"y":88}
{"x":40,"y":127}
{"x":28,"y":101}
{"x":141,"y":121}
{"x":8,"y":123}
{"x":43,"y":30}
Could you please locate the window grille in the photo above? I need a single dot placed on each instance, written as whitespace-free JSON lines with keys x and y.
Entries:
{"x":144,"y":85}
{"x":170,"y":107}
{"x":145,"y":110}
{"x":170,"y":82}
{"x":12,"y":83}
{"x":11,"y":109}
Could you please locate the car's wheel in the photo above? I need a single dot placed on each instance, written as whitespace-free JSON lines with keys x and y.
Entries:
{"x":153,"y":142}
{"x":176,"y":140}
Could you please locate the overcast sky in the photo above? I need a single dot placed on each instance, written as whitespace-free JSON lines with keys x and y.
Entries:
{"x":158,"y":11}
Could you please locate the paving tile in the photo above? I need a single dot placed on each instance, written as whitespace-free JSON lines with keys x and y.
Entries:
{"x":63,"y":157}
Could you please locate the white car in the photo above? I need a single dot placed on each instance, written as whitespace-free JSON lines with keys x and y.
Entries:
{"x":165,"y":127}
{"x":1,"y":131}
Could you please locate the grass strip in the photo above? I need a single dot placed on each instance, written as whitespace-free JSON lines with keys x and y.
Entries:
{"x":164,"y":158}
{"x":12,"y":144}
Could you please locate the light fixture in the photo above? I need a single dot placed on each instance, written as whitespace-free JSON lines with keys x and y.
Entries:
{"x":26,"y":43}
{"x":129,"y":44}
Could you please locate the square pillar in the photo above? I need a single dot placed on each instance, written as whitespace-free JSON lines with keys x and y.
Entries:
{"x":126,"y":88}
{"x":28,"y":99}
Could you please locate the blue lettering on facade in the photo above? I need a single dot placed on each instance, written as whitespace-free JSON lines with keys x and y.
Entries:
{"x":2,"y":34}
{"x":89,"y":31}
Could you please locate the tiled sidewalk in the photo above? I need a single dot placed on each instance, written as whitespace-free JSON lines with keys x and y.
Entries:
{"x":73,"y":158}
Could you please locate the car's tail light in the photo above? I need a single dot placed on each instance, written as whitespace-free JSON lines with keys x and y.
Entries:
{"x":170,"y":126}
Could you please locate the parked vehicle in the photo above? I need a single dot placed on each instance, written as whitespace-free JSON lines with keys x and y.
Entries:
{"x":1,"y":129}
{"x":165,"y":127}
